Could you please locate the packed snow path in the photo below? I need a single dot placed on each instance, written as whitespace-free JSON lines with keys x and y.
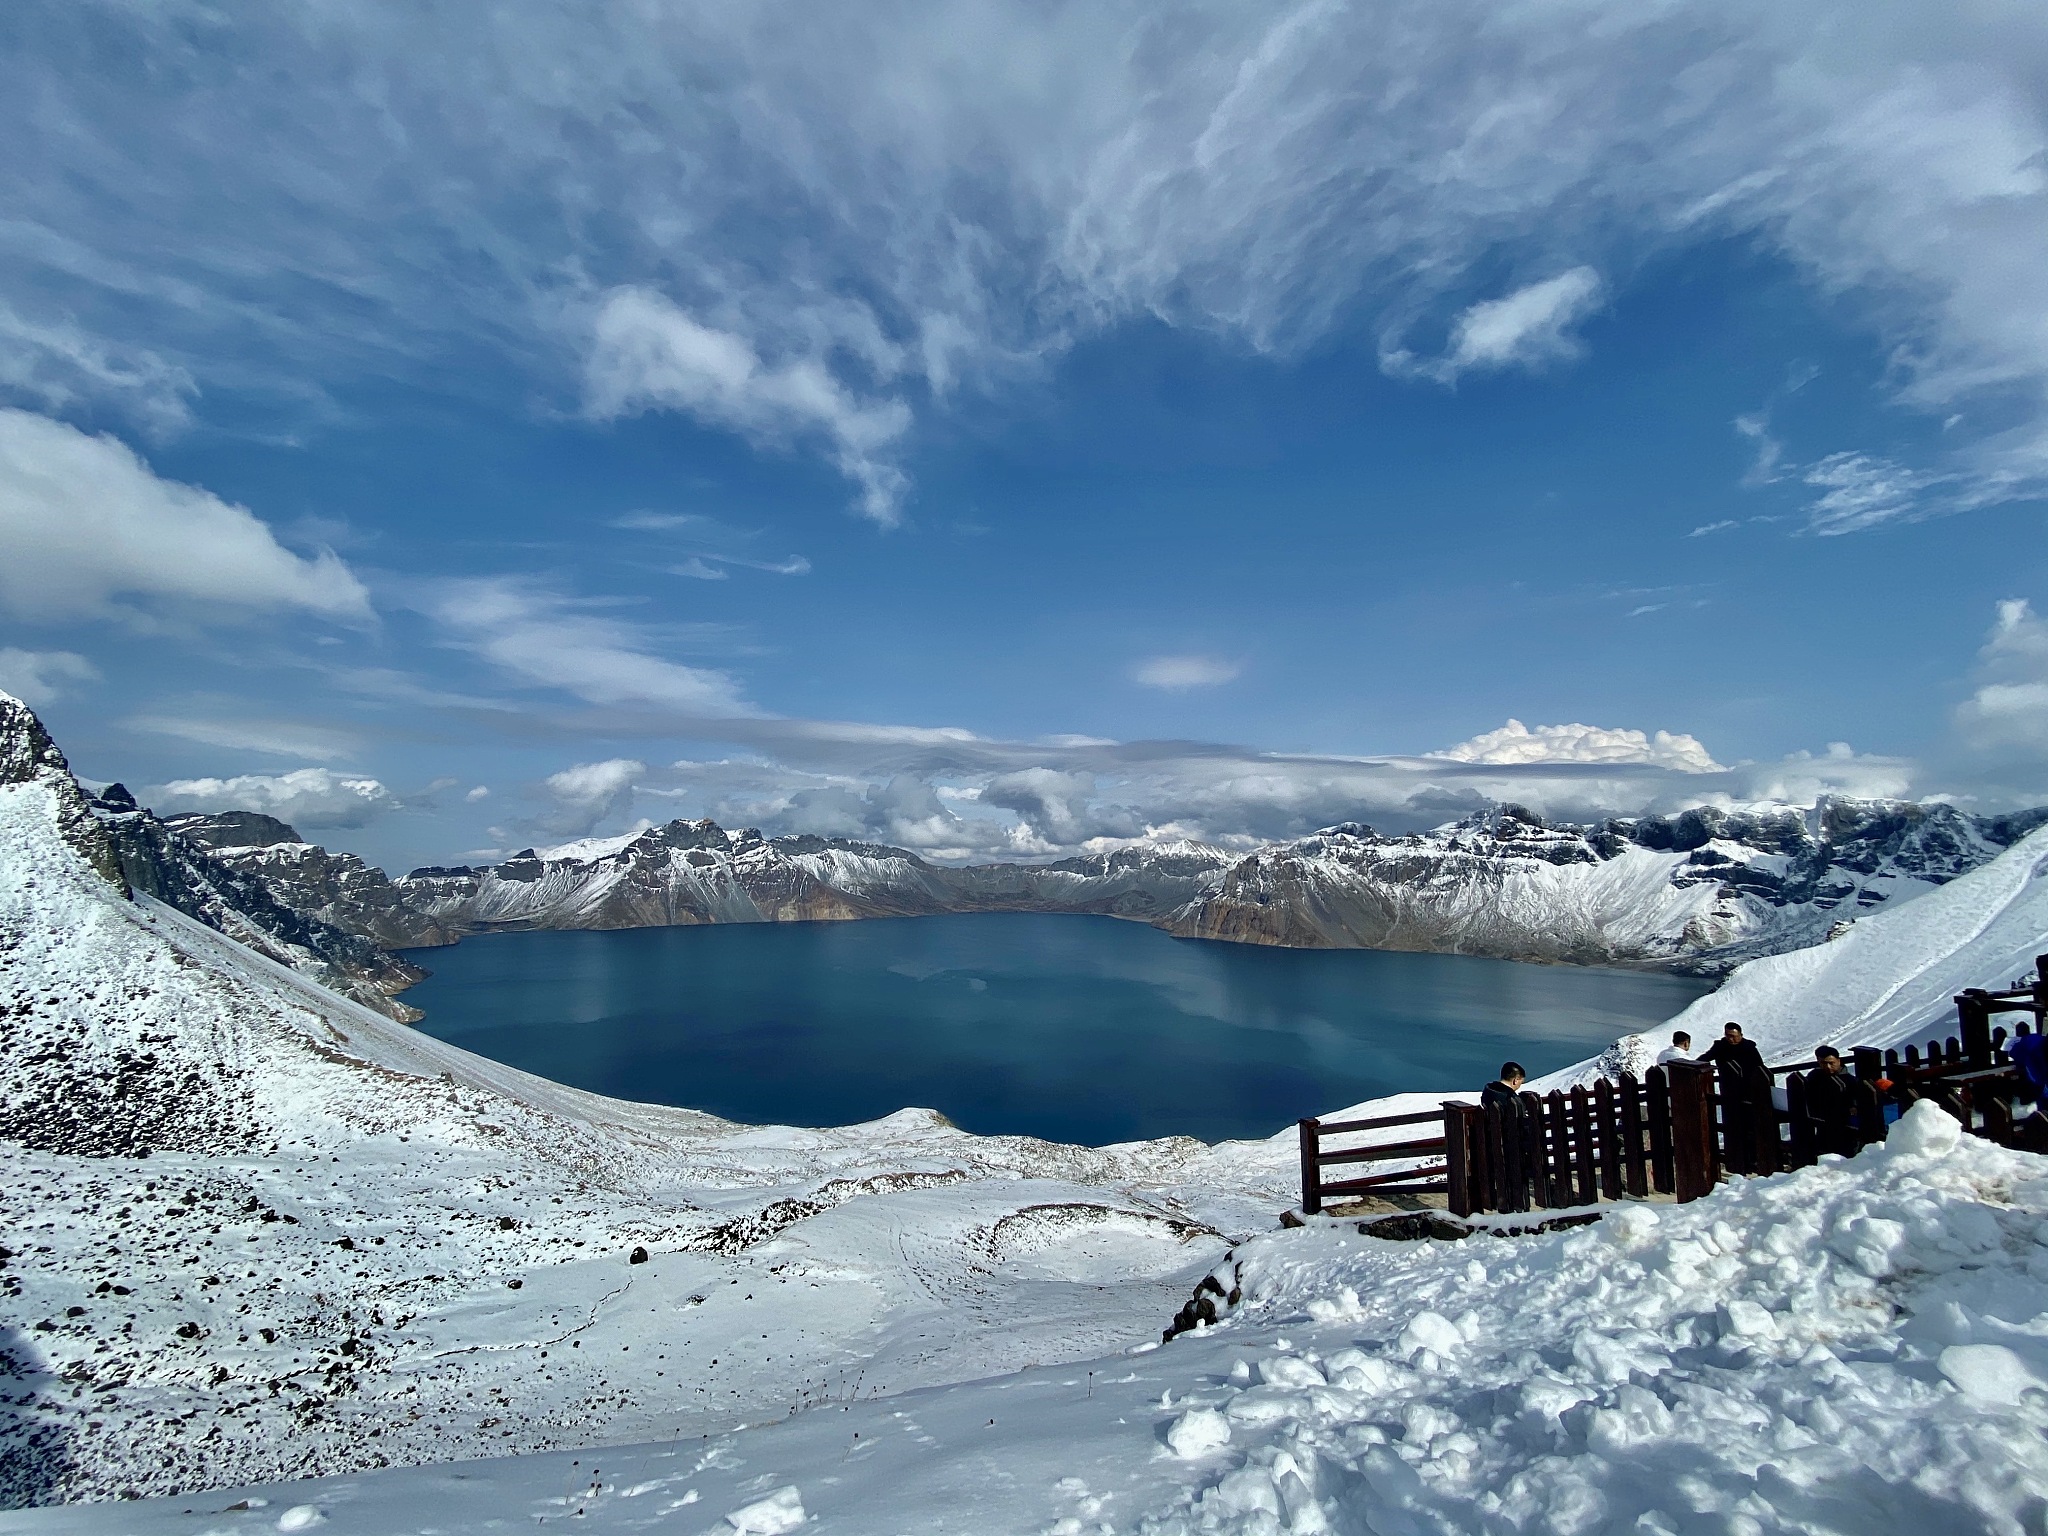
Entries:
{"x":1861,"y":1347}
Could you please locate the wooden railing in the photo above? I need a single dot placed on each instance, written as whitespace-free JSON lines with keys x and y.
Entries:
{"x":1677,"y":1131}
{"x":1424,"y":1180}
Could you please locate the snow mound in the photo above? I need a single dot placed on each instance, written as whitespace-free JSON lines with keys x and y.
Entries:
{"x":1858,"y":1347}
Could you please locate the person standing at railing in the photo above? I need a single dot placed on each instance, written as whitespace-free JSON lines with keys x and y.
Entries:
{"x":1831,"y":1103}
{"x":1749,"y":1123}
{"x":1680,"y":1049}
{"x":1505,"y":1092}
{"x":2028,"y":1052}
{"x":1740,"y":1061}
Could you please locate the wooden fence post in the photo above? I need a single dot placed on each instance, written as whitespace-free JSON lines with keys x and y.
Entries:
{"x":1311,"y":1168}
{"x":1535,"y":1167}
{"x":1973,"y":1024}
{"x":1692,"y":1129}
{"x":1657,"y":1089}
{"x":1511,"y":1124}
{"x":1585,"y":1191}
{"x":1635,"y":1167}
{"x":1606,"y":1114}
{"x":1502,"y":1158}
{"x":1463,"y":1143}
{"x":1558,"y":1143}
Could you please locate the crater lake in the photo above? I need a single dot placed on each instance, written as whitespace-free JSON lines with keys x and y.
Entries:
{"x":1078,"y":1029}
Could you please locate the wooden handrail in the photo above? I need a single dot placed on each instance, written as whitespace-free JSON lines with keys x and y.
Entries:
{"x":1385,"y":1122}
{"x":1677,"y":1130}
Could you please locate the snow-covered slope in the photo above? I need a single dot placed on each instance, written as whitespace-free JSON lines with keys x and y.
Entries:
{"x":253,"y":1230}
{"x":185,"y":872}
{"x":1706,"y":889}
{"x":1888,"y":981}
{"x":1860,"y":1348}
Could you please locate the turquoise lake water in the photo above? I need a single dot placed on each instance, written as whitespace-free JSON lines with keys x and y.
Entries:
{"x":1082,"y":1029}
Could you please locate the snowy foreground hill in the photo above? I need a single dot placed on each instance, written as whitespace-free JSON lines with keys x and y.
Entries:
{"x":254,"y":1233}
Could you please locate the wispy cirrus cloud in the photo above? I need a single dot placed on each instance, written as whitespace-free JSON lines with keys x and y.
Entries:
{"x":37,"y":677}
{"x":541,"y":638}
{"x":1177,"y":674}
{"x":271,"y":737}
{"x":835,"y":221}
{"x":647,"y":353}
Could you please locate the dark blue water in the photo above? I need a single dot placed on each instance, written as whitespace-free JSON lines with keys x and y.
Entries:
{"x":1084,"y":1029}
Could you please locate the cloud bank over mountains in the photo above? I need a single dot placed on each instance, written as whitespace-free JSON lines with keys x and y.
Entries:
{"x":971,"y":798}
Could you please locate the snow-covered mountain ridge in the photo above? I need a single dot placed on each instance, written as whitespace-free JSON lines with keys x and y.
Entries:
{"x":1703,"y":890}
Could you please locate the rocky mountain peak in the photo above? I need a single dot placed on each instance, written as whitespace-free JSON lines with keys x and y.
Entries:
{"x":29,"y":756}
{"x":232,"y":829}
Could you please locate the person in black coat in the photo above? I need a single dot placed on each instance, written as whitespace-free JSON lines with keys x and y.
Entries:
{"x":1831,"y":1100}
{"x":1505,"y":1092}
{"x":1741,"y":1063}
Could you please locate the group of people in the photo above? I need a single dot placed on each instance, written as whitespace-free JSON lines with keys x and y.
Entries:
{"x":1833,"y":1096}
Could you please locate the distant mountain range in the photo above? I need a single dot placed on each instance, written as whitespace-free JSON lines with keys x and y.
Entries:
{"x":1701,"y":891}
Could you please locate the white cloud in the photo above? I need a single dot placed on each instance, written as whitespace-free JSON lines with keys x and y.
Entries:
{"x":1518,"y":743}
{"x":1859,"y":491}
{"x":1706,"y":528}
{"x":648,"y":354}
{"x":587,"y":793}
{"x":37,"y":677}
{"x":308,"y":798}
{"x":851,"y":212}
{"x":278,"y":738}
{"x":540,"y":637}
{"x":1179,"y":673}
{"x":60,"y":367}
{"x":90,"y":532}
{"x":2009,"y":710}
{"x":696,"y":569}
{"x":1770,"y":453}
{"x":1528,"y":328}
{"x":1803,"y":777}
{"x":481,"y":792}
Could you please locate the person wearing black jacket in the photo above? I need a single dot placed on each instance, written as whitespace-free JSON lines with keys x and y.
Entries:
{"x":1748,"y":1123}
{"x":1504,"y":1092}
{"x":1831,"y":1099}
{"x":1741,"y":1061}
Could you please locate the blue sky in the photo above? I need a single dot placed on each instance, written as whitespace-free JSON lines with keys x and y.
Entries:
{"x":1009,"y":430}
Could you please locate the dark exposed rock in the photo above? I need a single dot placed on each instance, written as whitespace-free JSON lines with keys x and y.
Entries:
{"x":27,"y":756}
{"x":163,"y":861}
{"x":338,"y":889}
